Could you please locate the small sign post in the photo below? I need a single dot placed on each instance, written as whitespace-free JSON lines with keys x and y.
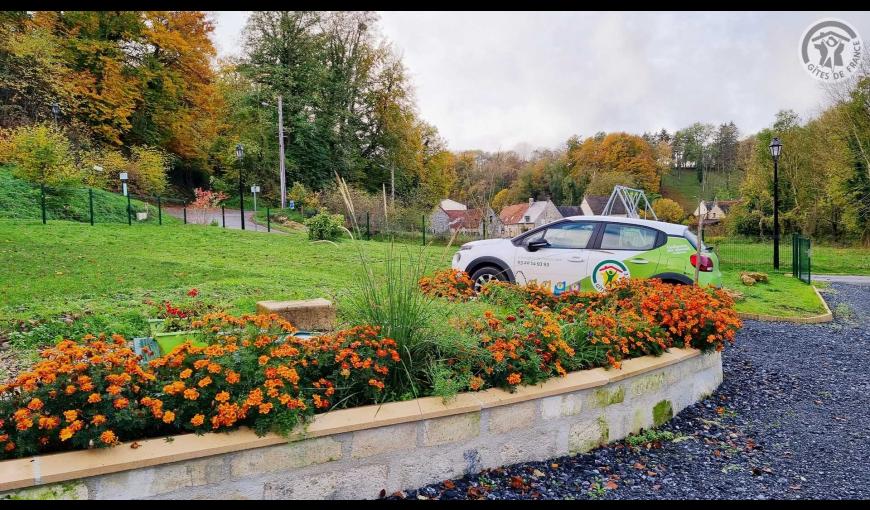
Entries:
{"x":254,"y":190}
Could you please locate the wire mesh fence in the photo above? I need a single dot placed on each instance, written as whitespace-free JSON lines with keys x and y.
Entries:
{"x":745,"y":253}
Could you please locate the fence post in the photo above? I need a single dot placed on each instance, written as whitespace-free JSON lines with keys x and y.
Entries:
{"x":368,"y":227}
{"x":809,"y":263}
{"x":424,"y":228}
{"x":268,"y":221}
{"x":795,"y":261}
{"x":159,"y":211}
{"x":42,"y":201}
{"x":91,"y":204}
{"x":484,"y":227}
{"x":223,"y":217}
{"x":184,"y":209}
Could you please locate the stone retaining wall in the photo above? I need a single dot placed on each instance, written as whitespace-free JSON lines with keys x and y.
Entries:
{"x":355,"y":453}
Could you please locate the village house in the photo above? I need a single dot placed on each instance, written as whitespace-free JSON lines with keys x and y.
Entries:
{"x":593,"y":205}
{"x":518,"y":218}
{"x":716,"y":210}
{"x":458,"y":218}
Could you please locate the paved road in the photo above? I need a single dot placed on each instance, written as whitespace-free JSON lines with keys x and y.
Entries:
{"x":205,"y":217}
{"x":842,"y":278}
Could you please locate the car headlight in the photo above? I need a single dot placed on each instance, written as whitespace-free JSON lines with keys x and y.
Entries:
{"x":466,"y":246}
{"x":457,"y":257}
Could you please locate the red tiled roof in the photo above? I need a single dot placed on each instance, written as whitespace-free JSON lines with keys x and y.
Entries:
{"x":464,"y":219}
{"x":513,"y":214}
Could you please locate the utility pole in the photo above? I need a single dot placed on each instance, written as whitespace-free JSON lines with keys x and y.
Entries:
{"x":281,"y":145}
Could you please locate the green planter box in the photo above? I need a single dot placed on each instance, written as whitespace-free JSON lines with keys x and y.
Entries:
{"x":169,"y":341}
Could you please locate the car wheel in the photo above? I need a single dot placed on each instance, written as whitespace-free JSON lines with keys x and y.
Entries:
{"x":486,"y":274}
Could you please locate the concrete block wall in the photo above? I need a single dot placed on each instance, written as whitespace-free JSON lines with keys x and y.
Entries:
{"x":438,"y":441}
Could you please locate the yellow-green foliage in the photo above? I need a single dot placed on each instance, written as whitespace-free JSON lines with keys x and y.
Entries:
{"x":668,"y":210}
{"x":40,"y":153}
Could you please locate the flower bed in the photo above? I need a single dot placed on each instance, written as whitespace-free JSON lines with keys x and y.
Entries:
{"x":253,"y":372}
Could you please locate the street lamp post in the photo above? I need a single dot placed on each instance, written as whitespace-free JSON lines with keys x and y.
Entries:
{"x":775,"y":150}
{"x":55,"y":111}
{"x":240,"y":154}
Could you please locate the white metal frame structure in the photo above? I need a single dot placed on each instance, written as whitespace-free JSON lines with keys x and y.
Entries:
{"x":631,"y":198}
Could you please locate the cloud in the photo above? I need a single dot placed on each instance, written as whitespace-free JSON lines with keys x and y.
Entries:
{"x":495,"y":80}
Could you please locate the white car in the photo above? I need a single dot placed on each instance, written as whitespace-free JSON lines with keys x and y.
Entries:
{"x":590,"y":253}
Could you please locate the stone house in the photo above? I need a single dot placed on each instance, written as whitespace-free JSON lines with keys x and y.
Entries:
{"x":466,"y":221}
{"x":715,"y":210}
{"x":518,"y":218}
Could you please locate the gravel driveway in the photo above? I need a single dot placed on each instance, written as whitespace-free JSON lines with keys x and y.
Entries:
{"x":791,"y":420}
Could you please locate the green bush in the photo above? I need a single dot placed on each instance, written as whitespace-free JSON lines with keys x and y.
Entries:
{"x":325,"y":226}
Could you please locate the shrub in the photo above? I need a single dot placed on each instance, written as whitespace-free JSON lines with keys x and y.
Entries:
{"x":325,"y":226}
{"x":41,"y":154}
{"x":668,"y":210}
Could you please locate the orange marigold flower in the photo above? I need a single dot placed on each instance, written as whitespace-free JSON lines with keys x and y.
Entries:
{"x":222,"y":396}
{"x":205,"y":381}
{"x":35,"y":404}
{"x":66,"y":433}
{"x":108,"y":437}
{"x":233,"y":377}
{"x":93,"y":398}
{"x":265,"y":408}
{"x":191,"y":394}
{"x":514,"y":378}
{"x":121,"y":403}
{"x":197,"y":420}
{"x":71,"y":415}
{"x":168,"y":417}
{"x":98,"y":419}
{"x":214,"y":368}
{"x":262,"y":360}
{"x":185,"y":373}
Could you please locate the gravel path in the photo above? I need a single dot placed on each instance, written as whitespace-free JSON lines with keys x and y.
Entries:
{"x":791,"y":420}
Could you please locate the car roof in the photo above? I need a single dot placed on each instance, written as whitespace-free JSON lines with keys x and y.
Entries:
{"x":673,"y":229}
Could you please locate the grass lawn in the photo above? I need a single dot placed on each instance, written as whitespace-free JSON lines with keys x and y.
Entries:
{"x":100,"y":275}
{"x":682,"y":186}
{"x":784,"y":296}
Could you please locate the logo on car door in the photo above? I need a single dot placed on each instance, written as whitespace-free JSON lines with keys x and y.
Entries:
{"x":607,"y":273}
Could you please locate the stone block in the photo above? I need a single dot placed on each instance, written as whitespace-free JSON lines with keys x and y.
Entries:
{"x":510,"y":417}
{"x":384,"y":439}
{"x":250,"y":463}
{"x":588,"y":434}
{"x":364,"y":482}
{"x":310,"y":314}
{"x":75,"y":489}
{"x":451,"y":429}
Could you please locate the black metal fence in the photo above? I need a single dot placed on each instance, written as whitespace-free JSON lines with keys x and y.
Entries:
{"x":95,"y":206}
{"x":414,"y":228}
{"x":745,"y":253}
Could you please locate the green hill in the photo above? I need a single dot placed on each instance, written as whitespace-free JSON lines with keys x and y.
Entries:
{"x":682,"y":186}
{"x":21,"y":200}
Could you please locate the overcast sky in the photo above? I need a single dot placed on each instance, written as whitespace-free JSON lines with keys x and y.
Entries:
{"x":500,"y":80}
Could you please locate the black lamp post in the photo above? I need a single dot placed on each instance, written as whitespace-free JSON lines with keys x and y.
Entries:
{"x":55,"y":111}
{"x":240,"y":154}
{"x":775,"y":150}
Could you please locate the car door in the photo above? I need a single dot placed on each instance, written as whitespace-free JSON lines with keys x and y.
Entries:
{"x":622,"y":250}
{"x":561,"y":263}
